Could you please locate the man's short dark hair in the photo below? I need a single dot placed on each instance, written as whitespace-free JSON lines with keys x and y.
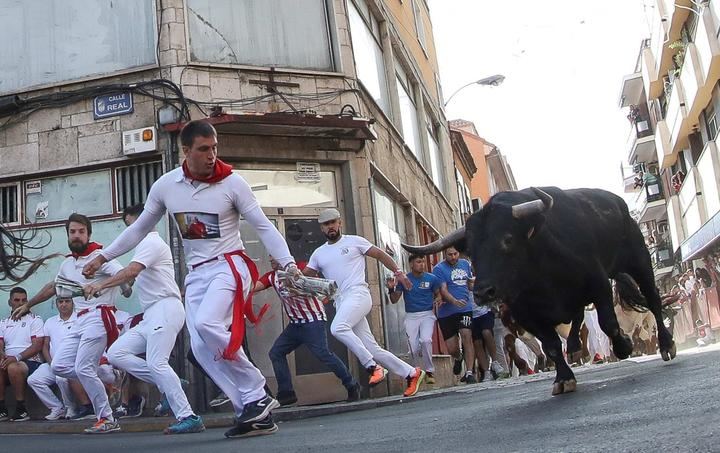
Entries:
{"x":413,"y":257}
{"x":78,"y":218}
{"x":450,"y":247}
{"x":17,"y":290}
{"x":196,"y":128}
{"x":134,"y":210}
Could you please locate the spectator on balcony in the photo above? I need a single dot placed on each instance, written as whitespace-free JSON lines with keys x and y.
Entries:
{"x":677,"y":180}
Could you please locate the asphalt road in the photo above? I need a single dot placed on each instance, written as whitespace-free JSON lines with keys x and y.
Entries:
{"x":629,"y":406}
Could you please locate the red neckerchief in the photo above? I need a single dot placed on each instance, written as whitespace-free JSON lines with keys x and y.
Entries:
{"x":92,"y":246}
{"x":220,"y":172}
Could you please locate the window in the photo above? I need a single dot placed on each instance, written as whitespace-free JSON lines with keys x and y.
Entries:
{"x":408,"y":112}
{"x":711,"y":122}
{"x":274,"y":33}
{"x":9,"y":206}
{"x":436,"y":165}
{"x":60,"y":40}
{"x":367,"y":49}
{"x":419,"y":25}
{"x":56,"y":198}
{"x":133,"y":183}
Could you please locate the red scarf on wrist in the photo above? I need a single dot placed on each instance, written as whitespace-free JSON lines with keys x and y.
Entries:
{"x":220,"y":172}
{"x":92,"y":246}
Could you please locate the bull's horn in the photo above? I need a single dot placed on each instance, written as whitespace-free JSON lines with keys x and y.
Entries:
{"x":437,"y":246}
{"x":528,"y":208}
{"x":547,"y":199}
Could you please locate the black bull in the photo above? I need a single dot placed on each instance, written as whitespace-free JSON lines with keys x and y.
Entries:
{"x":549,"y":252}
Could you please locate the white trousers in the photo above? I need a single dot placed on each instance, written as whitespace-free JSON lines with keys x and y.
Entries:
{"x":42,"y":379}
{"x":350,"y":326}
{"x":78,"y":357}
{"x":209,"y":292}
{"x":419,"y":328}
{"x":598,"y":342}
{"x":499,"y":332}
{"x":155,"y":337}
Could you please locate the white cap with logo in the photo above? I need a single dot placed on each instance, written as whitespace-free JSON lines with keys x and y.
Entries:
{"x":328,"y":215}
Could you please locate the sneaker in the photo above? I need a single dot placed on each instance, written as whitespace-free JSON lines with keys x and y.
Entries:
{"x":103,"y":426}
{"x":429,"y":378}
{"x":598,"y":359}
{"x":470,"y":378}
{"x":219,"y":400}
{"x":287,"y":398}
{"x":487,"y":376}
{"x":256,"y":428}
{"x":463,"y":378}
{"x":377,"y":374}
{"x":496,"y":370}
{"x":121,"y":411}
{"x":135,"y":406}
{"x":70,"y":414}
{"x":85,"y":412}
{"x":4,"y":415}
{"x":191,"y":424}
{"x":163,"y":408}
{"x":258,"y":410}
{"x":56,"y":414}
{"x":457,"y":365}
{"x":353,"y":393}
{"x":20,"y":415}
{"x":414,"y":382}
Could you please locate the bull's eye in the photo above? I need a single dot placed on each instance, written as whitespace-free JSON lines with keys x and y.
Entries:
{"x":507,"y":242}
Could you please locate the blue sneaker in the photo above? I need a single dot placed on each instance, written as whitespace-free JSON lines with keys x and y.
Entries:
{"x":191,"y":424}
{"x":163,"y":408}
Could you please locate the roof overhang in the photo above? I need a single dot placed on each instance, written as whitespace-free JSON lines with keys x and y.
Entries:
{"x":290,"y":125}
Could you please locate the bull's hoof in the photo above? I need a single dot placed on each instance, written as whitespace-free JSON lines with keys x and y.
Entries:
{"x":622,"y":346}
{"x":669,"y":354}
{"x":564,"y":387}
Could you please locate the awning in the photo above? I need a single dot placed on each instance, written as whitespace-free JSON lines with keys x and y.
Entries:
{"x":290,"y":125}
{"x":707,"y":236}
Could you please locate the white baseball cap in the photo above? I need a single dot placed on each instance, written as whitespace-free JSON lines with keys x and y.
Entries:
{"x":328,"y":215}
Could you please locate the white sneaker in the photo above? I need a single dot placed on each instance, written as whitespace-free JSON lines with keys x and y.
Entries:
{"x":487,"y":377}
{"x":56,"y":414}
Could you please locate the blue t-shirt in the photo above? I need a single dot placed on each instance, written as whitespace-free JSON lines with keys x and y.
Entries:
{"x":420,"y":297}
{"x":456,"y":278}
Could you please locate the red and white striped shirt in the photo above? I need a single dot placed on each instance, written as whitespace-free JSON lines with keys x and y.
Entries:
{"x":299,"y":309}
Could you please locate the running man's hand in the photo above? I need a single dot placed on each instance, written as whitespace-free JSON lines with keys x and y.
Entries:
{"x":93,"y":266}
{"x":91,"y":290}
{"x":390,"y":283}
{"x":21,"y":311}
{"x":402,"y":278}
{"x":293,"y":271}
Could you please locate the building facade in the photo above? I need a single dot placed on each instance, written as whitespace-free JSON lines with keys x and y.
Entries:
{"x":671,"y":100}
{"x":317,"y":103}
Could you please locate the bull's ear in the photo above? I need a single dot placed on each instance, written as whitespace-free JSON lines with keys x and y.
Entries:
{"x":534,"y":225}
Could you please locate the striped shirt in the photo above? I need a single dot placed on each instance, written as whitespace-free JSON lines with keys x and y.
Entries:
{"x":300,"y":309}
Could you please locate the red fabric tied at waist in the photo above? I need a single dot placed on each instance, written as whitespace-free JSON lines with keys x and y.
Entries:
{"x":107,"y":313}
{"x":242,"y":307}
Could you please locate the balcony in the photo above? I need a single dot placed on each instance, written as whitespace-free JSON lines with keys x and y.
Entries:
{"x":692,"y":81}
{"x":708,"y":169}
{"x":641,"y":142}
{"x":632,"y":90}
{"x":677,"y":229}
{"x":665,"y":155}
{"x":662,"y":257}
{"x":676,"y":113}
{"x":650,"y":202}
{"x":708,"y":47}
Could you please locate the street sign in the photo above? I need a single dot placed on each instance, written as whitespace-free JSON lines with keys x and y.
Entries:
{"x":112,"y":105}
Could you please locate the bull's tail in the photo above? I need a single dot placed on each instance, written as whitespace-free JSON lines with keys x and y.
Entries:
{"x":630,"y":297}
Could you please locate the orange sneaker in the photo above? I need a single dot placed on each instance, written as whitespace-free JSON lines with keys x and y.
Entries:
{"x":413,"y":383}
{"x":377,"y":374}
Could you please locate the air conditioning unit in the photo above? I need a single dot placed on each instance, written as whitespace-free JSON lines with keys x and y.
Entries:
{"x":139,"y":141}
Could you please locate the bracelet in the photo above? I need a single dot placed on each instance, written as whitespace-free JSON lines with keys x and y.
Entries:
{"x":19,"y":357}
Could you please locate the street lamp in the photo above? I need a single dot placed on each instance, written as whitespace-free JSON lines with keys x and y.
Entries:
{"x":494,"y":80}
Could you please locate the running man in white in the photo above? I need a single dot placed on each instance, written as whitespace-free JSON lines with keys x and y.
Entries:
{"x":206,"y":199}
{"x":95,"y":329}
{"x":342,"y":258}
{"x":163,"y":318}
{"x":56,"y":329}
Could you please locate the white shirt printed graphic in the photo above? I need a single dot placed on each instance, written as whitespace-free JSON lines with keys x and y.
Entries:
{"x":18,"y":335}
{"x":343,"y":261}
{"x":157,"y":281}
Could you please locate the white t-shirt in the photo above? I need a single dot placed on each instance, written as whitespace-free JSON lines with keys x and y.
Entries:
{"x":207,"y":217}
{"x":57,"y":329}
{"x":343,"y":261}
{"x":157,"y":281}
{"x":18,"y":335}
{"x":71,"y":269}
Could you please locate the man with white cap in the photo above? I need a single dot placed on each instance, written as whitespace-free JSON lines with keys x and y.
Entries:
{"x":342,"y":259}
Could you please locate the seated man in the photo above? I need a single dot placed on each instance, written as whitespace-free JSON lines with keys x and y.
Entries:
{"x":20,"y":345}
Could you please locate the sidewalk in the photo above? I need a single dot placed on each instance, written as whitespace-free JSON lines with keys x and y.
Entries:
{"x":223,"y":420}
